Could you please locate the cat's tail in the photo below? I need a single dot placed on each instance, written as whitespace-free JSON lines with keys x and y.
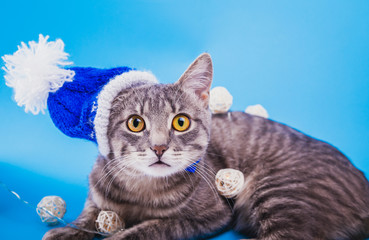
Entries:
{"x":35,"y":70}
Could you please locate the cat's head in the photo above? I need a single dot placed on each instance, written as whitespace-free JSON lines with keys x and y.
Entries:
{"x":160,"y":130}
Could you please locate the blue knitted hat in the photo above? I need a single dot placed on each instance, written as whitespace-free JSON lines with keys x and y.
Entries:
{"x":78,"y":99}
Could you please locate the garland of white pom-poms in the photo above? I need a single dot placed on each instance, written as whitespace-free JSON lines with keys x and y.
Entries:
{"x":221,"y":101}
{"x":51,"y":210}
{"x":230,"y":182}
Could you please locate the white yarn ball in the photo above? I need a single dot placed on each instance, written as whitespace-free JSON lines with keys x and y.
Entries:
{"x":108,"y":222}
{"x":229,"y":182}
{"x":220,"y":100}
{"x":51,"y":204}
{"x":257,"y":110}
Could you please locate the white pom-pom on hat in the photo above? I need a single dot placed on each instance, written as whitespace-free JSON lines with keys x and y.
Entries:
{"x":257,"y":110}
{"x":36,"y":70}
{"x":220,"y":100}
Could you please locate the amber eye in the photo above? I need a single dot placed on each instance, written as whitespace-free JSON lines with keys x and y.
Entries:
{"x":181,"y":122}
{"x":135,"y":123}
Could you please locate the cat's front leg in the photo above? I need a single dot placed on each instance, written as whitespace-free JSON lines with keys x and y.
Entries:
{"x":172,"y":229}
{"x":85,"y":220}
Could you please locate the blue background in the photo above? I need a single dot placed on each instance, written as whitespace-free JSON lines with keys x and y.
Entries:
{"x":306,"y":62}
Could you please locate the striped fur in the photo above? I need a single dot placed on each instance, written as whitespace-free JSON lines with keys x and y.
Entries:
{"x":296,"y":187}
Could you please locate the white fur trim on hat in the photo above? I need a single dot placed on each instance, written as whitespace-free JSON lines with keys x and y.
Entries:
{"x":105,"y":99}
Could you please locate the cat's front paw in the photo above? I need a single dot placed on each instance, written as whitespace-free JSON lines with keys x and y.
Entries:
{"x":67,"y":233}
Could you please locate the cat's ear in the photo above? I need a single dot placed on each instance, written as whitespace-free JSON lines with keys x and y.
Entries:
{"x":198,"y":77}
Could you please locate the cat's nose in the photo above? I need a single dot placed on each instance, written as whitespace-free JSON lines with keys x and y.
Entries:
{"x":159,"y":150}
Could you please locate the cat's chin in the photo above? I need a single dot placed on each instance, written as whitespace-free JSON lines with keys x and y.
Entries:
{"x":160,"y":170}
{"x":159,"y":164}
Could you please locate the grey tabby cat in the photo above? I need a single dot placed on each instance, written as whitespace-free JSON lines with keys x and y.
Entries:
{"x":296,"y":187}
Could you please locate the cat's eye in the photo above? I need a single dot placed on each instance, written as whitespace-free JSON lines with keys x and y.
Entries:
{"x":181,"y":122}
{"x":136,"y":123}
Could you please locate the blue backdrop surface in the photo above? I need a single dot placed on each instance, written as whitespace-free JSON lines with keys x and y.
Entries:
{"x":306,"y":62}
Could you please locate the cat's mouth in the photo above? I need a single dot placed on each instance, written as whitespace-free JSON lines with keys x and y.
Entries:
{"x":159,"y":163}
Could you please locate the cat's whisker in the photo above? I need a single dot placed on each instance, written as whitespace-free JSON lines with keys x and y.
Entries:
{"x":112,"y":165}
{"x":210,"y":169}
{"x":207,"y":167}
{"x":205,"y":175}
{"x":215,"y":190}
{"x":114,"y":175}
{"x":124,"y":166}
{"x":107,"y":165}
{"x":207,"y":172}
{"x":185,"y":173}
{"x":209,"y":183}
